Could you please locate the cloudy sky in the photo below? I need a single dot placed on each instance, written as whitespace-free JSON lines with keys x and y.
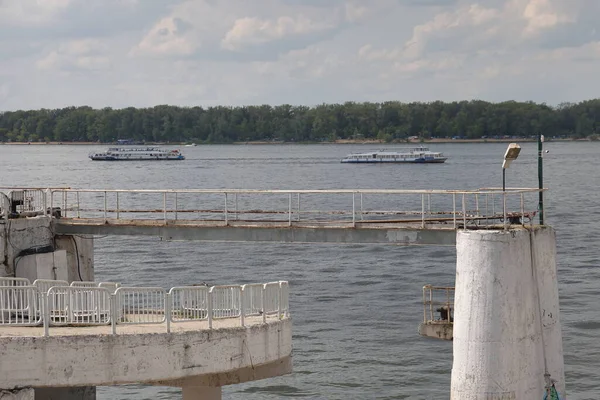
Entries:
{"x":120,"y":53}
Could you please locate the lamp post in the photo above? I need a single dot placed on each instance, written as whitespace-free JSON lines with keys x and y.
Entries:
{"x":512,"y":152}
{"x":541,"y":178}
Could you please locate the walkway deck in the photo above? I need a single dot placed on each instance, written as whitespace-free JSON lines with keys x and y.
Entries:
{"x":297,"y":216}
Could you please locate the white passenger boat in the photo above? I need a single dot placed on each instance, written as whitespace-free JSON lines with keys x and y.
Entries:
{"x":413,"y":155}
{"x":136,"y":154}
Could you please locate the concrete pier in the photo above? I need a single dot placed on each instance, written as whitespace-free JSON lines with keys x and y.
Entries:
{"x":507,"y":332}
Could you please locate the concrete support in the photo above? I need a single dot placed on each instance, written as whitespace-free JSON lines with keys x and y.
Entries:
{"x":29,"y":249}
{"x":500,"y":352}
{"x":80,"y":256}
{"x":21,"y":235}
{"x":201,"y":393}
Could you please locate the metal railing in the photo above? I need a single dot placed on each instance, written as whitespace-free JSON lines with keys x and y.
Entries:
{"x":50,"y":303}
{"x":438,"y":300}
{"x":453,"y":208}
{"x":19,"y":306}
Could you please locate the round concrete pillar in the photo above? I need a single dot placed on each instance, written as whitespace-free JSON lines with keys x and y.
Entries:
{"x":506,"y":296}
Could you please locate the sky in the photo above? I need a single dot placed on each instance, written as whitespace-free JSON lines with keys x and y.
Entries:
{"x":142,"y":53}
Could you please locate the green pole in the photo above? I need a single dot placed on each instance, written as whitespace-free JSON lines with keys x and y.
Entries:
{"x":540,"y":179}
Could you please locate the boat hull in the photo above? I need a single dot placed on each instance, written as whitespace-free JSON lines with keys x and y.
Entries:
{"x":414,"y":161}
{"x":108,"y":158}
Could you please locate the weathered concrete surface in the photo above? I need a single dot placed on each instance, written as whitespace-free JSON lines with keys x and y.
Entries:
{"x":80,"y":256}
{"x":43,"y":266}
{"x":498,"y":347}
{"x":22,"y":234}
{"x":101,"y":359}
{"x":236,"y":231}
{"x":436,"y":330}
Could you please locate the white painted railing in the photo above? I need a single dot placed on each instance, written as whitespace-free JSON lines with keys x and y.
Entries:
{"x":56,"y":303}
{"x":72,"y":305}
{"x":453,"y":208}
{"x":19,"y":305}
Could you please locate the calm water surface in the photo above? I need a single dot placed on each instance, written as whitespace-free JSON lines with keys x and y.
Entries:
{"x":356,"y":308}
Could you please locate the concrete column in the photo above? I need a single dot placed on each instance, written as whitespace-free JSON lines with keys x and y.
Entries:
{"x":201,"y":393}
{"x":499,"y":350}
{"x":80,"y":256}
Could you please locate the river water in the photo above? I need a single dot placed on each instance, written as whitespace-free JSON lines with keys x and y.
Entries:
{"x":355,"y":308}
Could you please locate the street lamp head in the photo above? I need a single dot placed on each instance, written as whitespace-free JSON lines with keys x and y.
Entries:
{"x":512,"y":152}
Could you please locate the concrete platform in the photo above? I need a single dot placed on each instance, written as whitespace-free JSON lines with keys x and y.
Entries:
{"x":191,"y":355}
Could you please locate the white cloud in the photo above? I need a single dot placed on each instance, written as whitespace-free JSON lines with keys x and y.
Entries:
{"x":166,"y":38}
{"x":253,"y":31}
{"x":87,"y":54}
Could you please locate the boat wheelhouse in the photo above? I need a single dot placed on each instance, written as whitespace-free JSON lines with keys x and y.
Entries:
{"x":413,"y":155}
{"x":136,"y":154}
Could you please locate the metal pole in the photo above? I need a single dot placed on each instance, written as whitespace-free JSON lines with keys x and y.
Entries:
{"x":504,"y":179}
{"x":540,"y":180}
{"x":290,"y":210}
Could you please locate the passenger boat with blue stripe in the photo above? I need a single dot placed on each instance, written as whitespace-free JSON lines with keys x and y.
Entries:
{"x":413,"y":155}
{"x":136,"y":154}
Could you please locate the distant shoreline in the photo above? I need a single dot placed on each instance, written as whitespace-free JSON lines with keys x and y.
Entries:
{"x":338,"y":141}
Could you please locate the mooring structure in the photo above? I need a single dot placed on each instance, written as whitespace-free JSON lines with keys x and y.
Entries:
{"x":502,"y":314}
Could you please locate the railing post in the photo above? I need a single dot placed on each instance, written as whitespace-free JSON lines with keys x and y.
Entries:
{"x":431,"y":302}
{"x":464,"y":210}
{"x":487,"y":211}
{"x":51,"y":202}
{"x":279,"y":301}
{"x":226,"y":215}
{"x":113,"y":313}
{"x":65,"y":202}
{"x":262,"y":303}
{"x":210,"y":308}
{"x":504,"y":208}
{"x":454,"y":208}
{"x":422,"y":210}
{"x":105,"y":207}
{"x":165,"y":207}
{"x":168,"y":311}
{"x":290,"y":210}
{"x":353,"y":210}
{"x":477,"y":203}
{"x":78,"y":205}
{"x":44,"y":195}
{"x":176,"y":206}
{"x":361,"y":206}
{"x":46,"y":314}
{"x":298,"y":219}
{"x":118,"y":213}
{"x":242,"y":306}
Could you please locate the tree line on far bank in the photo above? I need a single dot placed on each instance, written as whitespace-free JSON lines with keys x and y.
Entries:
{"x":388,"y":121}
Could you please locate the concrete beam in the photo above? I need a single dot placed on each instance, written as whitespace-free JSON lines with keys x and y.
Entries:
{"x":380,"y":234}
